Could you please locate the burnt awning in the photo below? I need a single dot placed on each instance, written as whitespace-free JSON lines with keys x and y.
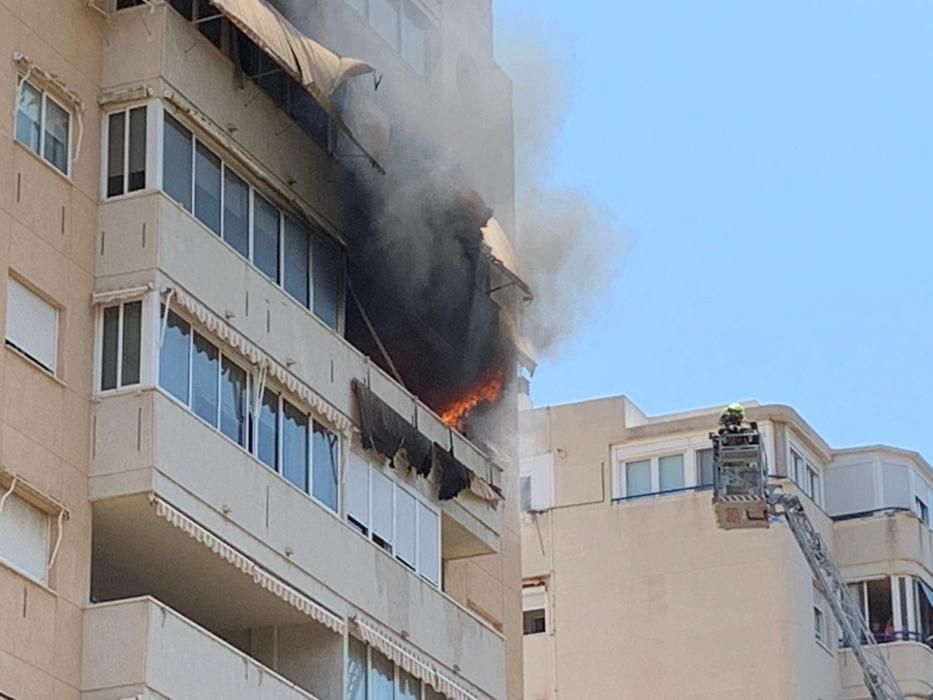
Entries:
{"x":319,"y":70}
{"x":387,"y":432}
{"x":502,"y":253}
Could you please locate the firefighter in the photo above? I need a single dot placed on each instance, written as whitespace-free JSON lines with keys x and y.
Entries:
{"x":732,"y":417}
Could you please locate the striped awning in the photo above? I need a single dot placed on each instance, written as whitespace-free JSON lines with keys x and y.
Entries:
{"x":247,"y":566}
{"x":410,"y":660}
{"x":318,"y":69}
{"x":225,"y":332}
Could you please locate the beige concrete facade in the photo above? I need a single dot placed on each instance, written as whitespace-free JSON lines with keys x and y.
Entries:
{"x":631,"y":591}
{"x":178,"y":564}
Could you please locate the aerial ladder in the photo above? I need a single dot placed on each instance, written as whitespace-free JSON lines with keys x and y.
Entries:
{"x":743,"y":498}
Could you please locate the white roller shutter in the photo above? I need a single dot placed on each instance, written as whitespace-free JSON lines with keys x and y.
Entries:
{"x":32,"y":325}
{"x":24,"y":537}
{"x":357,"y":489}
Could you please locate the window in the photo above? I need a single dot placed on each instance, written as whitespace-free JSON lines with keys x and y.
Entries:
{"x":795,"y":471}
{"x":671,"y":472}
{"x":121,"y":345}
{"x":24,"y":537}
{"x":236,"y":212}
{"x":704,"y":460}
{"x":43,"y":126}
{"x":875,"y":599}
{"x":205,"y":383}
{"x":406,"y":530}
{"x":295,"y":446}
{"x":266,"y":224}
{"x":533,"y":621}
{"x":308,"y":264}
{"x":218,"y":389}
{"x":384,"y":18}
{"x":357,"y":676}
{"x":415,"y":27}
{"x":32,"y":325}
{"x":328,"y":276}
{"x":267,"y":437}
{"x":534,"y":609}
{"x":324,"y":466}
{"x":406,"y":28}
{"x":29,"y":117}
{"x":429,"y":541}
{"x":381,"y":490}
{"x":233,"y":401}
{"x":819,"y":625}
{"x":409,"y":687}
{"x":395,"y":519}
{"x":297,"y":260}
{"x":923,"y":511}
{"x":637,"y":478}
{"x":537,"y":483}
{"x":814,"y":486}
{"x":174,"y":356}
{"x":177,"y":154}
{"x":381,"y":677}
{"x":357,"y":498}
{"x":126,"y":151}
{"x":525,"y":495}
{"x":207,"y":187}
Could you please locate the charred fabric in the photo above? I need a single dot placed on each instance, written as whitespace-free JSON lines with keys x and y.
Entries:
{"x":387,"y":432}
{"x":420,"y":305}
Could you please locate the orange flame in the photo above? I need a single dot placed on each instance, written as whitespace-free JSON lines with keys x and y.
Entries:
{"x":487,"y":392}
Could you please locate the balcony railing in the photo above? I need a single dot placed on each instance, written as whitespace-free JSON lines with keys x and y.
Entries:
{"x":139,"y":644}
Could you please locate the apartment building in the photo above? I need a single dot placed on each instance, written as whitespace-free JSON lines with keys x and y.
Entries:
{"x":234,"y":460}
{"x":631,"y":590}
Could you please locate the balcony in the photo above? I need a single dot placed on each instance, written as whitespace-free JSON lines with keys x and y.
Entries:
{"x":140,"y":647}
{"x":866,"y":545}
{"x":911,"y":663}
{"x":148,"y":446}
{"x":185,"y":253}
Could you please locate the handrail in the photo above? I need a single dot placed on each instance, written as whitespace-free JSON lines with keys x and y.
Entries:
{"x":667,"y":492}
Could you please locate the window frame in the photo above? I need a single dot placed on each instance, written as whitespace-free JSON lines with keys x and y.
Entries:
{"x":624,"y":460}
{"x":428,"y":44}
{"x":923,"y":510}
{"x":698,"y":462}
{"x":795,"y":464}
{"x":252,"y":425}
{"x":535,"y":598}
{"x":99,"y":334}
{"x":126,"y":110}
{"x":819,"y":625}
{"x":44,"y":96}
{"x":315,"y":234}
{"x":418,"y":567}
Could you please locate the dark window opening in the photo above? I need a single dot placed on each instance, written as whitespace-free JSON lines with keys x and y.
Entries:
{"x":387,"y":546}
{"x":533,"y":621}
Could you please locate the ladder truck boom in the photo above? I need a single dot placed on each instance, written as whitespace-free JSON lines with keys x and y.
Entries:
{"x":744,"y":499}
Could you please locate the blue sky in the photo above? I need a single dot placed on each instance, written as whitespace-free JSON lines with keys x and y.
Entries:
{"x":772,"y":165}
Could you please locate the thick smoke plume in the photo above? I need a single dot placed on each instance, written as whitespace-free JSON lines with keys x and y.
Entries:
{"x":569,"y":243}
{"x":449,"y":166}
